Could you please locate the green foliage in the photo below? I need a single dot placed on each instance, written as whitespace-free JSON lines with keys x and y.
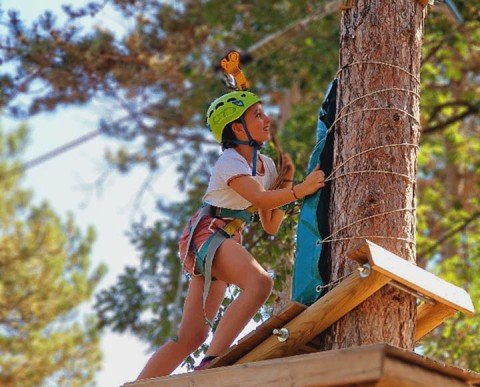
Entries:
{"x":448,"y":179}
{"x":46,"y":275}
{"x":159,"y":76}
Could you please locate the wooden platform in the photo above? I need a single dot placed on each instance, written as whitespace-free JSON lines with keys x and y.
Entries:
{"x":309,"y":323}
{"x":382,"y":365}
{"x":372,"y":365}
{"x":304,"y":324}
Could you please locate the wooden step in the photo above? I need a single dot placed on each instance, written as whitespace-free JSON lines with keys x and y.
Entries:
{"x":263,"y":331}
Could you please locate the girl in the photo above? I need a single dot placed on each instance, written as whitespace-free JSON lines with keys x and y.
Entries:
{"x":215,"y":258}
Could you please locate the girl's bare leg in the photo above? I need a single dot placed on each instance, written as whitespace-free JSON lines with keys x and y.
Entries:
{"x":193,"y":330}
{"x":234,"y":265}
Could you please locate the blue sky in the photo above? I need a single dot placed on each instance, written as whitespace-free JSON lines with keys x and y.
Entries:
{"x":67,"y":184}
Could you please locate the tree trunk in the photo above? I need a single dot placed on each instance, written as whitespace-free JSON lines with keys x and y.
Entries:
{"x":389,"y":32}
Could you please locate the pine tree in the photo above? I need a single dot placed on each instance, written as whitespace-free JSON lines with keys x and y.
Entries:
{"x":45,"y":276}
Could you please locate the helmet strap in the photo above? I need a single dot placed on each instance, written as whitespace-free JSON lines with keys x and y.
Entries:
{"x":252,"y":143}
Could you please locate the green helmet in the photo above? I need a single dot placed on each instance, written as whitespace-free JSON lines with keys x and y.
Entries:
{"x":228,"y":108}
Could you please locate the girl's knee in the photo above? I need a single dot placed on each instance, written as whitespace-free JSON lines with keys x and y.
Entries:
{"x":268,"y":283}
{"x":263,"y":285}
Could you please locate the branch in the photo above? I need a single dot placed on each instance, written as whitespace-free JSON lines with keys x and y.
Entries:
{"x":442,"y":125}
{"x":139,"y":195}
{"x":448,"y":234}
{"x":460,"y":103}
{"x":436,"y":48}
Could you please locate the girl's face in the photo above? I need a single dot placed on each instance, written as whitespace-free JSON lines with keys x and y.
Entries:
{"x":258,"y":124}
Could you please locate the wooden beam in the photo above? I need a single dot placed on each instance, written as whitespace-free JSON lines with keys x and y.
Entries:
{"x":375,"y":365}
{"x":430,"y":316}
{"x":250,"y":341}
{"x":404,"y":374}
{"x":325,"y":369}
{"x":416,"y":278}
{"x":331,"y":307}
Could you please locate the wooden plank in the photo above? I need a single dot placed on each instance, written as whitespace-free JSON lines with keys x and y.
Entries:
{"x":427,"y":363}
{"x":331,"y":307}
{"x":291,"y":310}
{"x":414,"y":277}
{"x":400,"y":373}
{"x":250,"y":341}
{"x":351,"y":366}
{"x":430,"y":316}
{"x":359,"y":366}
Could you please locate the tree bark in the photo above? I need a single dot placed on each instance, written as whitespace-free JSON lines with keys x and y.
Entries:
{"x":389,"y":32}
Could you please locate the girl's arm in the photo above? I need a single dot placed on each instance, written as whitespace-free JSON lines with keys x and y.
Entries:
{"x":272,"y":219}
{"x":252,"y":190}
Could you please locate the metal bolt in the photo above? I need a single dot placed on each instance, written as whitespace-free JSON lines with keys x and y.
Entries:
{"x":282,"y":334}
{"x":365,"y":270}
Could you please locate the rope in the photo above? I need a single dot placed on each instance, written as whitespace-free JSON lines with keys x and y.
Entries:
{"x":373,"y":236}
{"x":330,"y":177}
{"x":413,"y":209}
{"x":334,"y":174}
{"x":275,"y":40}
{"x":374,"y":171}
{"x":340,"y":116}
{"x":378,"y":92}
{"x":371,"y":109}
{"x":380,"y":64}
{"x":334,"y":282}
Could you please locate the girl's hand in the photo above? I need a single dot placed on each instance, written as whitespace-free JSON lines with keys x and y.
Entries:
{"x":312,"y":183}
{"x":288,"y":165}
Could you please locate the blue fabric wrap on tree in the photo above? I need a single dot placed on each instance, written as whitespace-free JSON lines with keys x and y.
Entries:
{"x":313,"y":220}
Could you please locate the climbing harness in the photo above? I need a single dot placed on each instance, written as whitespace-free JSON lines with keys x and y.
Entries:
{"x":204,"y":257}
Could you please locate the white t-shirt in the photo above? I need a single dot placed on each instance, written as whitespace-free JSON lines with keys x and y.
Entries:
{"x":230,"y":165}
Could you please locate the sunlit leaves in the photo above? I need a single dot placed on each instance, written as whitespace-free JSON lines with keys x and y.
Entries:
{"x":46,"y":276}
